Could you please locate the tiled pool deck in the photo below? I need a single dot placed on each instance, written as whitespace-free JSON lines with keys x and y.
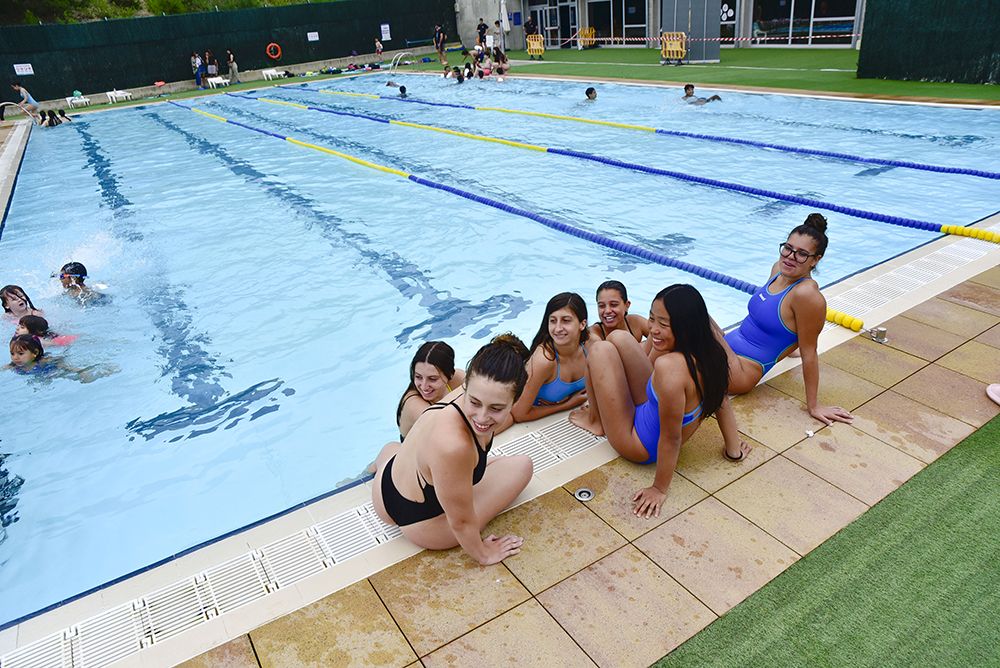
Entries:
{"x":595,"y":585}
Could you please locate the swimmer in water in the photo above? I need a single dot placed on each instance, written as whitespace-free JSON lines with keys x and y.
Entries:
{"x":691,"y":98}
{"x":37,"y":326}
{"x":27,"y":357}
{"x":591,"y":93}
{"x":402,"y":91}
{"x":439,"y":486}
{"x":16,"y":303}
{"x":432,"y":376}
{"x":558,"y":361}
{"x":785,"y":315}
{"x":649,"y":405}
{"x":612,"y":313}
{"x":72,"y":276}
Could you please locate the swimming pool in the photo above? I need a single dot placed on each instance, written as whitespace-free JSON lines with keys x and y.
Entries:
{"x":266,"y":298}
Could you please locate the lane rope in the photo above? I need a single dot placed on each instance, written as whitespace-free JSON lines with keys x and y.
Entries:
{"x":985,"y":235}
{"x":693,"y":135}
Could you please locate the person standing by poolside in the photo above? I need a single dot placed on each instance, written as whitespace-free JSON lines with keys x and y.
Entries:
{"x":497,"y":36}
{"x":440,"y":38}
{"x":481,"y":33}
{"x":438,"y":486}
{"x":378,"y":48}
{"x":234,"y":69}
{"x":196,"y":68}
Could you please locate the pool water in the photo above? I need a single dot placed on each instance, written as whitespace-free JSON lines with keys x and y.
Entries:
{"x":265,"y":299}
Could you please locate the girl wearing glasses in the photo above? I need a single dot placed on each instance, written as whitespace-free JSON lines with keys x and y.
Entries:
{"x":786,"y":314}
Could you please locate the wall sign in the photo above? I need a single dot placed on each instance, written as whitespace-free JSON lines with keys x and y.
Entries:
{"x":312,"y":36}
{"x":386,"y":36}
{"x":23,"y":69}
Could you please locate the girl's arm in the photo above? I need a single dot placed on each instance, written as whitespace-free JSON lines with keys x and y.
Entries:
{"x":639,"y":324}
{"x":670,"y":376}
{"x":809,"y":308}
{"x":540,"y":368}
{"x":451,"y":470}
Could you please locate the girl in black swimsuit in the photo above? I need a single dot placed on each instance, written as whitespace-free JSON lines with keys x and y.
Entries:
{"x":439,"y":487}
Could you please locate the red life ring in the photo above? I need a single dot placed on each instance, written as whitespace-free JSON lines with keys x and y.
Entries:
{"x":273,"y":51}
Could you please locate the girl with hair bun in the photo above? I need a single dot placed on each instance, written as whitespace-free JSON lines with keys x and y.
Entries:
{"x":648,"y":405}
{"x":432,"y":376}
{"x":558,"y":361}
{"x":785,"y":315}
{"x":438,"y":486}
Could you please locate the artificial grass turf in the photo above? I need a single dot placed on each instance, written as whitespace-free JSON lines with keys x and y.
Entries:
{"x":821,"y":70}
{"x":915,"y":581}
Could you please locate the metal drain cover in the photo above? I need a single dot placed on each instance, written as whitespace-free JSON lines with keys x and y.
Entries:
{"x":584,"y":494}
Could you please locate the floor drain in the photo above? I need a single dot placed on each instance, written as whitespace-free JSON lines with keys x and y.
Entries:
{"x":584,"y":494}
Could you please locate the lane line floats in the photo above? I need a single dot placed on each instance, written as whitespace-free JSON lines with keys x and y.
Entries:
{"x":691,"y":135}
{"x":985,"y":235}
{"x":593,"y":237}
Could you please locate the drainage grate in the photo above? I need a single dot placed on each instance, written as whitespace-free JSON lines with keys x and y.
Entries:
{"x":236,"y":582}
{"x":173,"y":609}
{"x":542,"y":457}
{"x":566,"y":439}
{"x":292,"y":558}
{"x":109,"y":636}
{"x":48,"y":652}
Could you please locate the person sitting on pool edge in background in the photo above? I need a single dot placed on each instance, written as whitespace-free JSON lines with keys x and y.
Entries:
{"x":16,"y":303}
{"x":591,"y":93}
{"x":650,"y":405}
{"x":558,"y":361}
{"x":612,"y":313}
{"x":691,"y":98}
{"x":27,"y":102}
{"x":432,"y":376}
{"x":72,"y":276}
{"x":786,"y":313}
{"x":438,"y":486}
{"x":38,"y":327}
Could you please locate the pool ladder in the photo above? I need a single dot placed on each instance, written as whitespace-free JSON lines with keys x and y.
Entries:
{"x":395,"y":60}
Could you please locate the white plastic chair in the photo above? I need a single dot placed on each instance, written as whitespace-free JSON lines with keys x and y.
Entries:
{"x":77,"y":102}
{"x":270,"y":74}
{"x":118,"y":95}
{"x":214,"y":82}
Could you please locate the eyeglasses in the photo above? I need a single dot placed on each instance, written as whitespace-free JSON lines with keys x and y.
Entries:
{"x":788,"y":250}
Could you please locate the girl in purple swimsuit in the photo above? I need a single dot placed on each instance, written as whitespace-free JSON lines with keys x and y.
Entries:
{"x":786,"y":314}
{"x":649,"y":405}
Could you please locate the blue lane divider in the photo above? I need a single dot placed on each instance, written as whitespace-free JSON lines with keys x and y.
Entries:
{"x":593,"y":237}
{"x":795,"y":199}
{"x":833,"y":154}
{"x":726,"y":185}
{"x":335,"y":112}
{"x":758,"y":144}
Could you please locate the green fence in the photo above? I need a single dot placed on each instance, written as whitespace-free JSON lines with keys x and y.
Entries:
{"x":934,"y":40}
{"x":126,"y":53}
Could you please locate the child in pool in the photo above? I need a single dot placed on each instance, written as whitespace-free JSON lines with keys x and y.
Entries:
{"x":16,"y":303}
{"x":28,"y":357}
{"x":72,"y":276}
{"x":37,"y":326}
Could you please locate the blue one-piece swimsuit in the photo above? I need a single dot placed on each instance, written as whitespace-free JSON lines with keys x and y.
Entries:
{"x":763,"y":337}
{"x":559,"y":390}
{"x":647,"y":421}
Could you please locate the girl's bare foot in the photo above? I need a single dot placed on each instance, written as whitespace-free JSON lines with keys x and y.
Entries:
{"x":744,"y":450}
{"x":582,"y":418}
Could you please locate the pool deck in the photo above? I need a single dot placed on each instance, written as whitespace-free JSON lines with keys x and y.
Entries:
{"x":726,"y":530}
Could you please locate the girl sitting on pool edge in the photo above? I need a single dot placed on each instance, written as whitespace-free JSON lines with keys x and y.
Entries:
{"x":438,"y":486}
{"x":558,"y":361}
{"x":649,"y":405}
{"x":786,"y":314}
{"x":432,"y":376}
{"x":612,"y":313}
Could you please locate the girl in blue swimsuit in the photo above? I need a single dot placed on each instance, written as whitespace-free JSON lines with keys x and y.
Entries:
{"x":558,"y":361}
{"x":786,"y":314}
{"x":648,"y":405}
{"x":439,"y":486}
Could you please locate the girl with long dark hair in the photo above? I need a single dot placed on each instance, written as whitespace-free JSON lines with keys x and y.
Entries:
{"x":432,"y":376}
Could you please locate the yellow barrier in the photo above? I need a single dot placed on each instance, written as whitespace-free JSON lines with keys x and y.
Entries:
{"x":588,"y":37}
{"x":468,"y":135}
{"x":536,"y":46}
{"x":673,"y":46}
{"x":340,"y":92}
{"x":358,"y":161}
{"x":972,"y":232}
{"x":840,"y":318}
{"x":282,"y":102}
{"x":213,"y":116}
{"x":592,"y":121}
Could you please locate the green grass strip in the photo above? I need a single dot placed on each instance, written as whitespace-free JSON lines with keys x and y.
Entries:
{"x":915,"y":581}
{"x":818,"y":70}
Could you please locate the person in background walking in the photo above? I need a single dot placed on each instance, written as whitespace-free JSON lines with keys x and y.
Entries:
{"x":531,"y":28}
{"x":234,"y":69}
{"x":378,"y":48}
{"x":440,"y":36}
